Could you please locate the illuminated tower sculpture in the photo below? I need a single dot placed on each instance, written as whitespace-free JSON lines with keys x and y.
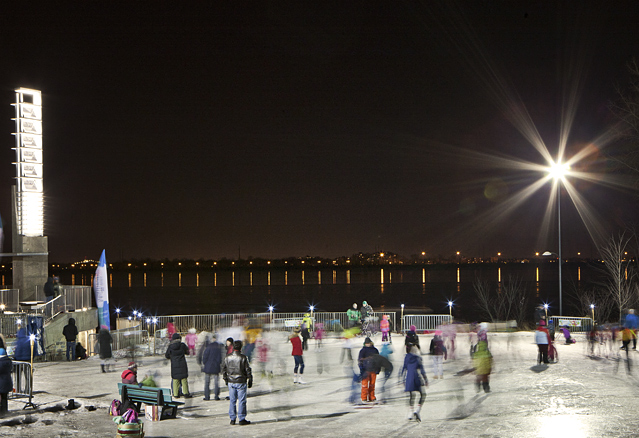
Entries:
{"x":30,"y":247}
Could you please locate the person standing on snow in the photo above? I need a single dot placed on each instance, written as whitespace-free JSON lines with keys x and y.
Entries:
{"x":237,"y":375}
{"x":177,"y":352}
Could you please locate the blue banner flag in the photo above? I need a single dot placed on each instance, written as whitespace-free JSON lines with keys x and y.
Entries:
{"x":101,"y":290}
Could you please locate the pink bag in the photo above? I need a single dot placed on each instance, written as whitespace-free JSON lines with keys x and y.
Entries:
{"x":130,"y":416}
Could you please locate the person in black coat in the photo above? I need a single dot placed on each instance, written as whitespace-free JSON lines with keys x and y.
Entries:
{"x":105,"y":340}
{"x":70,"y":332}
{"x":212,"y":366}
{"x":6,"y":383}
{"x":177,"y":352}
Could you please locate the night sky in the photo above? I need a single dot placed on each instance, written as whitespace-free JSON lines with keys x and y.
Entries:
{"x":192,"y":129}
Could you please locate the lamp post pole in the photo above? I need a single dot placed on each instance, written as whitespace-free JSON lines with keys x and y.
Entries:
{"x":559,"y":229}
{"x":401,"y":321}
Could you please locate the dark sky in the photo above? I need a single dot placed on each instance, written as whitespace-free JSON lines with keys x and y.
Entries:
{"x":189,"y":129}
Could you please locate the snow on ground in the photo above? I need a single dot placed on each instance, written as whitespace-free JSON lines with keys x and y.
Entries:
{"x":579,"y":396}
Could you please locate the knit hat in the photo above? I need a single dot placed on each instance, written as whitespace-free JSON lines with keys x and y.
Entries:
{"x":176,"y":336}
{"x":132,"y":365}
{"x":229,"y":340}
{"x":413,"y":328}
{"x":367,"y":341}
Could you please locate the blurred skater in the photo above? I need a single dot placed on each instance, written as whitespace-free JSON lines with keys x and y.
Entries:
{"x":411,"y":339}
{"x":212,"y":366}
{"x":384,"y":327}
{"x":367,"y":370}
{"x":542,"y":339}
{"x":297,"y":353}
{"x":415,"y":381}
{"x":439,"y":354}
{"x":483,"y":363}
{"x":191,"y":340}
{"x":105,"y":340}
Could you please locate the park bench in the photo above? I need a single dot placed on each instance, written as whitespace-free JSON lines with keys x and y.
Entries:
{"x":150,"y":396}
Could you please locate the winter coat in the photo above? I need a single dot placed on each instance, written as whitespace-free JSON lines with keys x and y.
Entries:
{"x":170,"y":330}
{"x":384,"y":325}
{"x":48,"y":288}
{"x":631,"y":321}
{"x":482,"y":359}
{"x":70,"y":331}
{"x":411,"y":338}
{"x":212,"y":358}
{"x":415,"y":374}
{"x":191,"y":339}
{"x":22,"y":351}
{"x":177,"y":352}
{"x":236,"y":369}
{"x":129,"y":377}
{"x":353,"y":314}
{"x":105,"y":339}
{"x":542,"y":336}
{"x":366,"y":365}
{"x":297,"y":345}
{"x":377,"y":362}
{"x":6,"y":382}
{"x":437,"y":347}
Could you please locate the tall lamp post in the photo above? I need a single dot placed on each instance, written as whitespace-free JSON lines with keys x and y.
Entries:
{"x":592,"y":308}
{"x":546,"y":310}
{"x":558,"y":171}
{"x":450,"y":310}
{"x":401,"y":321}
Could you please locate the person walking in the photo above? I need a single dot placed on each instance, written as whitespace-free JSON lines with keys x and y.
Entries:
{"x":105,"y":340}
{"x":384,"y":327}
{"x":211,"y":366}
{"x":367,"y":370}
{"x":6,"y":382}
{"x":306,"y":322}
{"x":237,"y":375}
{"x":354,"y":316}
{"x":415,"y":381}
{"x":70,"y":332}
{"x":176,"y":352}
{"x":297,"y":353}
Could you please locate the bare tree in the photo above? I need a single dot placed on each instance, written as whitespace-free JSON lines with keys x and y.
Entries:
{"x":507,"y":303}
{"x":485,"y":302}
{"x":620,"y":276}
{"x":597,"y":296}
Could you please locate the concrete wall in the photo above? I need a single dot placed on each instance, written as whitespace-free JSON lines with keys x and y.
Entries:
{"x":54,"y":342}
{"x":30,"y":272}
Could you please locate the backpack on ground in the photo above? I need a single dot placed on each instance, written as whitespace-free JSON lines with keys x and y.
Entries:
{"x":114,"y":410}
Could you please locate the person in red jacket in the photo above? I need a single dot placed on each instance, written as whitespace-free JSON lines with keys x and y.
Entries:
{"x":297,"y":352}
{"x":130,"y":375}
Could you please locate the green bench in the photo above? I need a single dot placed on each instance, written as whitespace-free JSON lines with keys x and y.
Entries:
{"x":150,"y":396}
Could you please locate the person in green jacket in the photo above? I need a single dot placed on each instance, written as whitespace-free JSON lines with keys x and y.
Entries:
{"x":353,"y":316}
{"x":483,"y":363}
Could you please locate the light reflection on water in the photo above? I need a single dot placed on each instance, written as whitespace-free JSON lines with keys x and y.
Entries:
{"x":208,"y":291}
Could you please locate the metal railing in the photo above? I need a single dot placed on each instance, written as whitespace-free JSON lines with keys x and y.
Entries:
{"x":332,"y":321}
{"x":425,"y":322}
{"x":575,"y":324}
{"x":9,"y":300}
{"x":71,"y":299}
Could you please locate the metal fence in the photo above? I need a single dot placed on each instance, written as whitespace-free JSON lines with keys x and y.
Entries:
{"x":332,"y":321}
{"x":424,"y":322}
{"x":131,"y":340}
{"x":575,"y":324}
{"x":9,"y":300}
{"x":22,"y":381}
